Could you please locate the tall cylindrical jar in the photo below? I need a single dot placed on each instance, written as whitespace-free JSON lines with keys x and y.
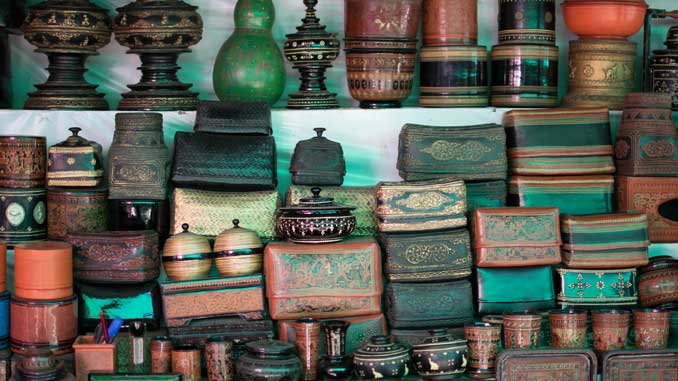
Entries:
{"x":161,"y":355}
{"x":307,"y":332}
{"x":138,"y":160}
{"x":219,"y":359}
{"x":381,"y":50}
{"x":450,"y":22}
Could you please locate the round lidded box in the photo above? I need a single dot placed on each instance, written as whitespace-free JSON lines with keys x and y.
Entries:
{"x":43,"y":270}
{"x":238,"y":251}
{"x":315,"y":220}
{"x":187,"y":256}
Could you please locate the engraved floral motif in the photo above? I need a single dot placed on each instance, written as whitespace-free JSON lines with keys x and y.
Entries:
{"x":659,"y":148}
{"x":300,"y":271}
{"x":621,"y":149}
{"x":15,"y":214}
{"x":416,"y":254}
{"x":424,"y":200}
{"x":444,"y":150}
{"x":143,"y":173}
{"x":502,"y":228}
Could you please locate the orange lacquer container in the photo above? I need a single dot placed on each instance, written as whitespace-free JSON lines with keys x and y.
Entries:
{"x":43,"y":270}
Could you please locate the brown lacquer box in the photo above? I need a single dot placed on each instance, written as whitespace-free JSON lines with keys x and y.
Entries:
{"x":76,"y":210}
{"x":195,"y":300}
{"x":115,"y":256}
{"x":547,"y":365}
{"x":655,"y":196}
{"x":332,"y":280}
{"x":514,"y":237}
{"x":22,"y":161}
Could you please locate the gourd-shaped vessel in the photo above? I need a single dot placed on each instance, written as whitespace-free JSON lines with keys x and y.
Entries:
{"x":250,"y":66}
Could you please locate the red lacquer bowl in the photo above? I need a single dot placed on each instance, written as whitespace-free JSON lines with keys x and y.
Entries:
{"x":604,"y":19}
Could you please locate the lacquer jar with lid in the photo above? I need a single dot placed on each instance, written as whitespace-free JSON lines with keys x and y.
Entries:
{"x":187,"y":256}
{"x":43,"y":270}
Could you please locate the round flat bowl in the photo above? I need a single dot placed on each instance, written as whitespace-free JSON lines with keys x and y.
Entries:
{"x":609,"y":20}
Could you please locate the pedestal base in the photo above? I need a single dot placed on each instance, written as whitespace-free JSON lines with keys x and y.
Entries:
{"x":159,"y":88}
{"x":312,"y":100}
{"x":66,"y":88}
{"x":380,"y":104}
{"x":158,"y":101}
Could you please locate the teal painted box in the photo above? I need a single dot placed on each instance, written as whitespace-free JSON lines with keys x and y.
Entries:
{"x":575,"y":195}
{"x":421,"y":205}
{"x":605,"y":241}
{"x":467,"y":152}
{"x":591,"y":288}
{"x":485,"y":194}
{"x":515,"y":288}
{"x":427,"y":257}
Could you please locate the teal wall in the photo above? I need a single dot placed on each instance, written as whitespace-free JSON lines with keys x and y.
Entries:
{"x":113,"y":69}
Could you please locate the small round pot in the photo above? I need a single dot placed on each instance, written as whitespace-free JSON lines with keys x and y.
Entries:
{"x":604,"y":19}
{"x":610,"y":329}
{"x":187,"y":256}
{"x":315,"y":220}
{"x":483,"y":345}
{"x":651,"y":328}
{"x":658,"y":283}
{"x":440,"y":357}
{"x":380,"y":79}
{"x":380,"y":358}
{"x":568,"y":328}
{"x":238,"y":251}
{"x":522,"y":329}
{"x":268,"y":360}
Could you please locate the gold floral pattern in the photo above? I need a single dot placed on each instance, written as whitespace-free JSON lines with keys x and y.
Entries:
{"x":443,"y":150}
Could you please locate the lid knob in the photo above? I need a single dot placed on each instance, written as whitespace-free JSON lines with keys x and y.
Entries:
{"x":319,"y":131}
{"x":75,"y":130}
{"x":137,"y":328}
{"x":437,"y":332}
{"x":184,"y":227}
{"x":379,"y":340}
{"x":316,"y":192}
{"x":236,"y":222}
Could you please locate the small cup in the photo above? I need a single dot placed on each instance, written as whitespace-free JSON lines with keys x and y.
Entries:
{"x":483,"y":345}
{"x":186,"y":360}
{"x":568,"y":328}
{"x":161,"y":355}
{"x":521,"y":330}
{"x":610,"y":329}
{"x":652,"y":328}
{"x":307,"y":332}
